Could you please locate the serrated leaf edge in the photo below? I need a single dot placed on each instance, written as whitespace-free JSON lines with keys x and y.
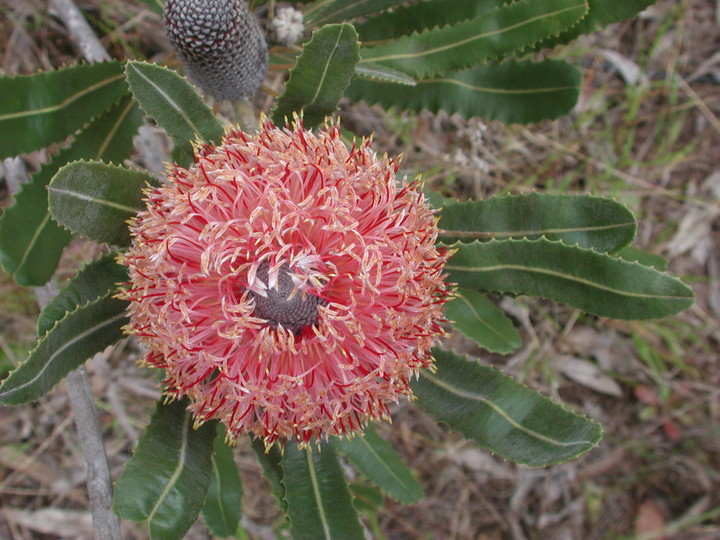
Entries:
{"x":513,"y":52}
{"x":592,"y":443}
{"x":109,"y":294}
{"x":65,"y":345}
{"x":538,"y":194}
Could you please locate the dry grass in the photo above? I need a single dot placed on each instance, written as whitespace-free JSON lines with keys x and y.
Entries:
{"x":654,"y":145}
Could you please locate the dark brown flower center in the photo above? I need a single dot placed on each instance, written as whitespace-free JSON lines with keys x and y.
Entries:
{"x":283,"y":308}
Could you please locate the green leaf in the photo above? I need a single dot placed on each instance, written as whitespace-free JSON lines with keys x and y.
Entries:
{"x":166,"y":480}
{"x":88,"y":330}
{"x":270,"y":460}
{"x":376,"y":72}
{"x":631,"y":253}
{"x":502,"y":31}
{"x":319,"y":503}
{"x":156,"y":6}
{"x":601,"y":14}
{"x":47,"y":107}
{"x":422,"y":16}
{"x":30,"y":241}
{"x":320,"y":76}
{"x":377,"y":460}
{"x":96,"y":199}
{"x":222,"y":508}
{"x":512,"y":92}
{"x":97,"y":279}
{"x":169,"y":99}
{"x":593,"y":282}
{"x":501,"y":415}
{"x":591,"y":222}
{"x":482,"y":321}
{"x":323,"y":12}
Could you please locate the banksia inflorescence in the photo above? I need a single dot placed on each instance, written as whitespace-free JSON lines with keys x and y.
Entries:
{"x":289,"y":286}
{"x":221,"y":45}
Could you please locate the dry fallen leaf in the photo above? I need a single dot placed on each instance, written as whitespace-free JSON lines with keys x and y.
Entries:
{"x":589,"y":375}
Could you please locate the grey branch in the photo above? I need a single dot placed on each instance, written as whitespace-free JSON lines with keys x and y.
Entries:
{"x":80,"y":32}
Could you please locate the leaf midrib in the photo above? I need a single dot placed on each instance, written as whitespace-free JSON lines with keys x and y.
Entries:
{"x":501,"y":412}
{"x":568,"y":277}
{"x":65,"y":103}
{"x":102,"y":202}
{"x":490,"y":33}
{"x":481,"y":320}
{"x":530,"y":232}
{"x":178,"y":468}
{"x":317,"y":494}
{"x":327,"y":65}
{"x":385,"y":465}
{"x":60,"y":350}
{"x":179,"y":110}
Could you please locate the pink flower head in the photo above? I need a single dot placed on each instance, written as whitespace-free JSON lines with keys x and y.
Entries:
{"x":288,"y":285}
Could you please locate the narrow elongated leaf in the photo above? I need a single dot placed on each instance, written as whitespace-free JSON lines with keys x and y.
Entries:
{"x":82,"y":333}
{"x":592,"y":222}
{"x":319,"y":503}
{"x":272,"y":470}
{"x":376,"y":72}
{"x":482,"y":321}
{"x":506,"y":29}
{"x":601,"y":14}
{"x":95,"y":280}
{"x":30,"y":241}
{"x":166,"y":480}
{"x":323,"y":12}
{"x":512,"y":92}
{"x":321,"y":75}
{"x":591,"y":281}
{"x":169,"y":99}
{"x":501,"y":415}
{"x":377,"y":460}
{"x":222,"y":508}
{"x":421,"y":16}
{"x":47,"y":107}
{"x":96,"y":199}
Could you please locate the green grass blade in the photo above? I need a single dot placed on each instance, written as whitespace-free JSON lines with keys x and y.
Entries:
{"x":166,"y":480}
{"x":96,"y":199}
{"x":30,"y":241}
{"x":97,"y":279}
{"x":585,"y":279}
{"x":323,"y":12}
{"x":320,"y":76}
{"x":168,"y":98}
{"x":222,"y":510}
{"x":591,"y":222}
{"x":319,"y":502}
{"x":47,"y":107}
{"x":502,"y":415}
{"x":502,"y":31}
{"x":377,"y":460}
{"x":512,"y":92}
{"x":88,"y":330}
{"x":479,"y":319}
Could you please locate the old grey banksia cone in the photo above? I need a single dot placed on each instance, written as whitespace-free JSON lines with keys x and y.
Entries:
{"x":220,"y":44}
